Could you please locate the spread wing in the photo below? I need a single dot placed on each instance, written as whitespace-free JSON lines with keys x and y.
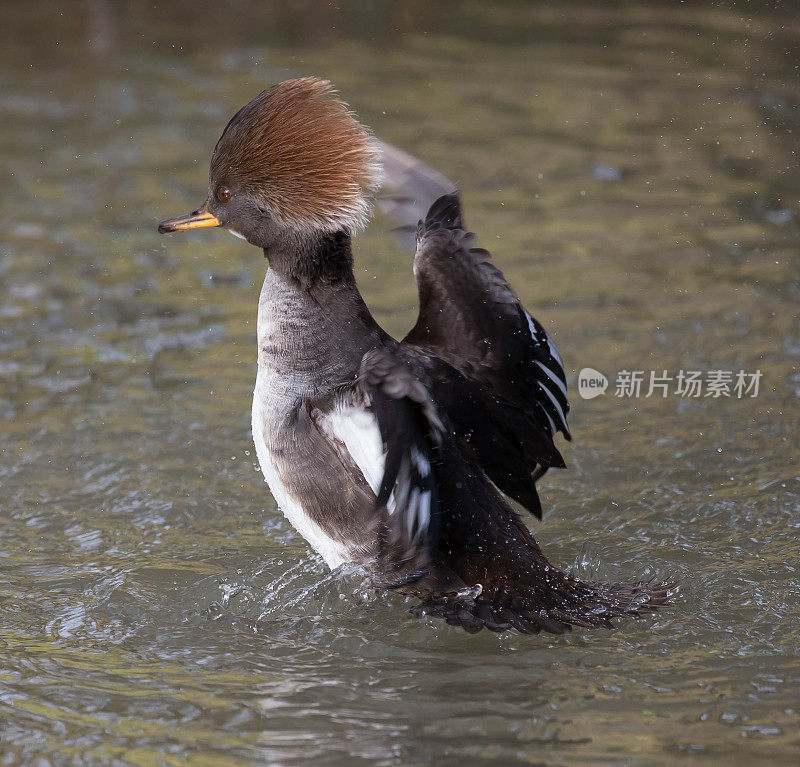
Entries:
{"x":399,"y":466}
{"x":510,"y":447}
{"x":471,"y":319}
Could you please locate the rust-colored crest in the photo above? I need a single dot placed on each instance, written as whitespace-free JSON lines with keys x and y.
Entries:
{"x":299,"y":150}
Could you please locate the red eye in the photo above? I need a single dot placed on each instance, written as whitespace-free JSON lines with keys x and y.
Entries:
{"x":223,"y":194}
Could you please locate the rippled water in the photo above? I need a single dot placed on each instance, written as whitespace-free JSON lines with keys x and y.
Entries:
{"x":633,"y":168}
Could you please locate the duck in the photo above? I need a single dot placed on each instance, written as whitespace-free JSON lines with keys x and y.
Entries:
{"x":413,"y":459}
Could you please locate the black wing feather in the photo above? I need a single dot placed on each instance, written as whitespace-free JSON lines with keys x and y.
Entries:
{"x":503,"y":440}
{"x":471,"y":320}
{"x":407,"y":501}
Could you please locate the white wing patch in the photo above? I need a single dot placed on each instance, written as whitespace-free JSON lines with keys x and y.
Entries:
{"x":357,"y":429}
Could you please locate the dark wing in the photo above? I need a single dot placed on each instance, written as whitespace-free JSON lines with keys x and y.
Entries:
{"x":471,"y":318}
{"x":468,"y":313}
{"x":410,"y":429}
{"x":502,"y":439}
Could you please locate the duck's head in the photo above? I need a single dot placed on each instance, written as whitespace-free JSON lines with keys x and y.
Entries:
{"x":293,"y":163}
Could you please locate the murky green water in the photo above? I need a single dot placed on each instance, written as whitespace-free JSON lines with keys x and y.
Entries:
{"x":632,"y":166}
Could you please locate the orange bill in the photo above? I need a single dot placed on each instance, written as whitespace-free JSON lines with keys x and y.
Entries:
{"x":197,"y":220}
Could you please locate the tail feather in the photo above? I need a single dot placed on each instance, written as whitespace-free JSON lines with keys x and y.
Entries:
{"x":587,"y":605}
{"x":483,"y":541}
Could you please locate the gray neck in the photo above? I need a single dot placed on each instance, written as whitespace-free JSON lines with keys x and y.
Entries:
{"x":311,"y":338}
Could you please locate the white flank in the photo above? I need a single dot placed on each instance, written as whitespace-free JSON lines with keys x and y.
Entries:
{"x":333,"y":552}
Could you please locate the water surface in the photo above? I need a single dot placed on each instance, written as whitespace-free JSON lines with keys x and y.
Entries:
{"x":633,"y":169}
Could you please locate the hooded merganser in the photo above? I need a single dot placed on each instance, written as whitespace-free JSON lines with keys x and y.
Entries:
{"x":394,"y":455}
